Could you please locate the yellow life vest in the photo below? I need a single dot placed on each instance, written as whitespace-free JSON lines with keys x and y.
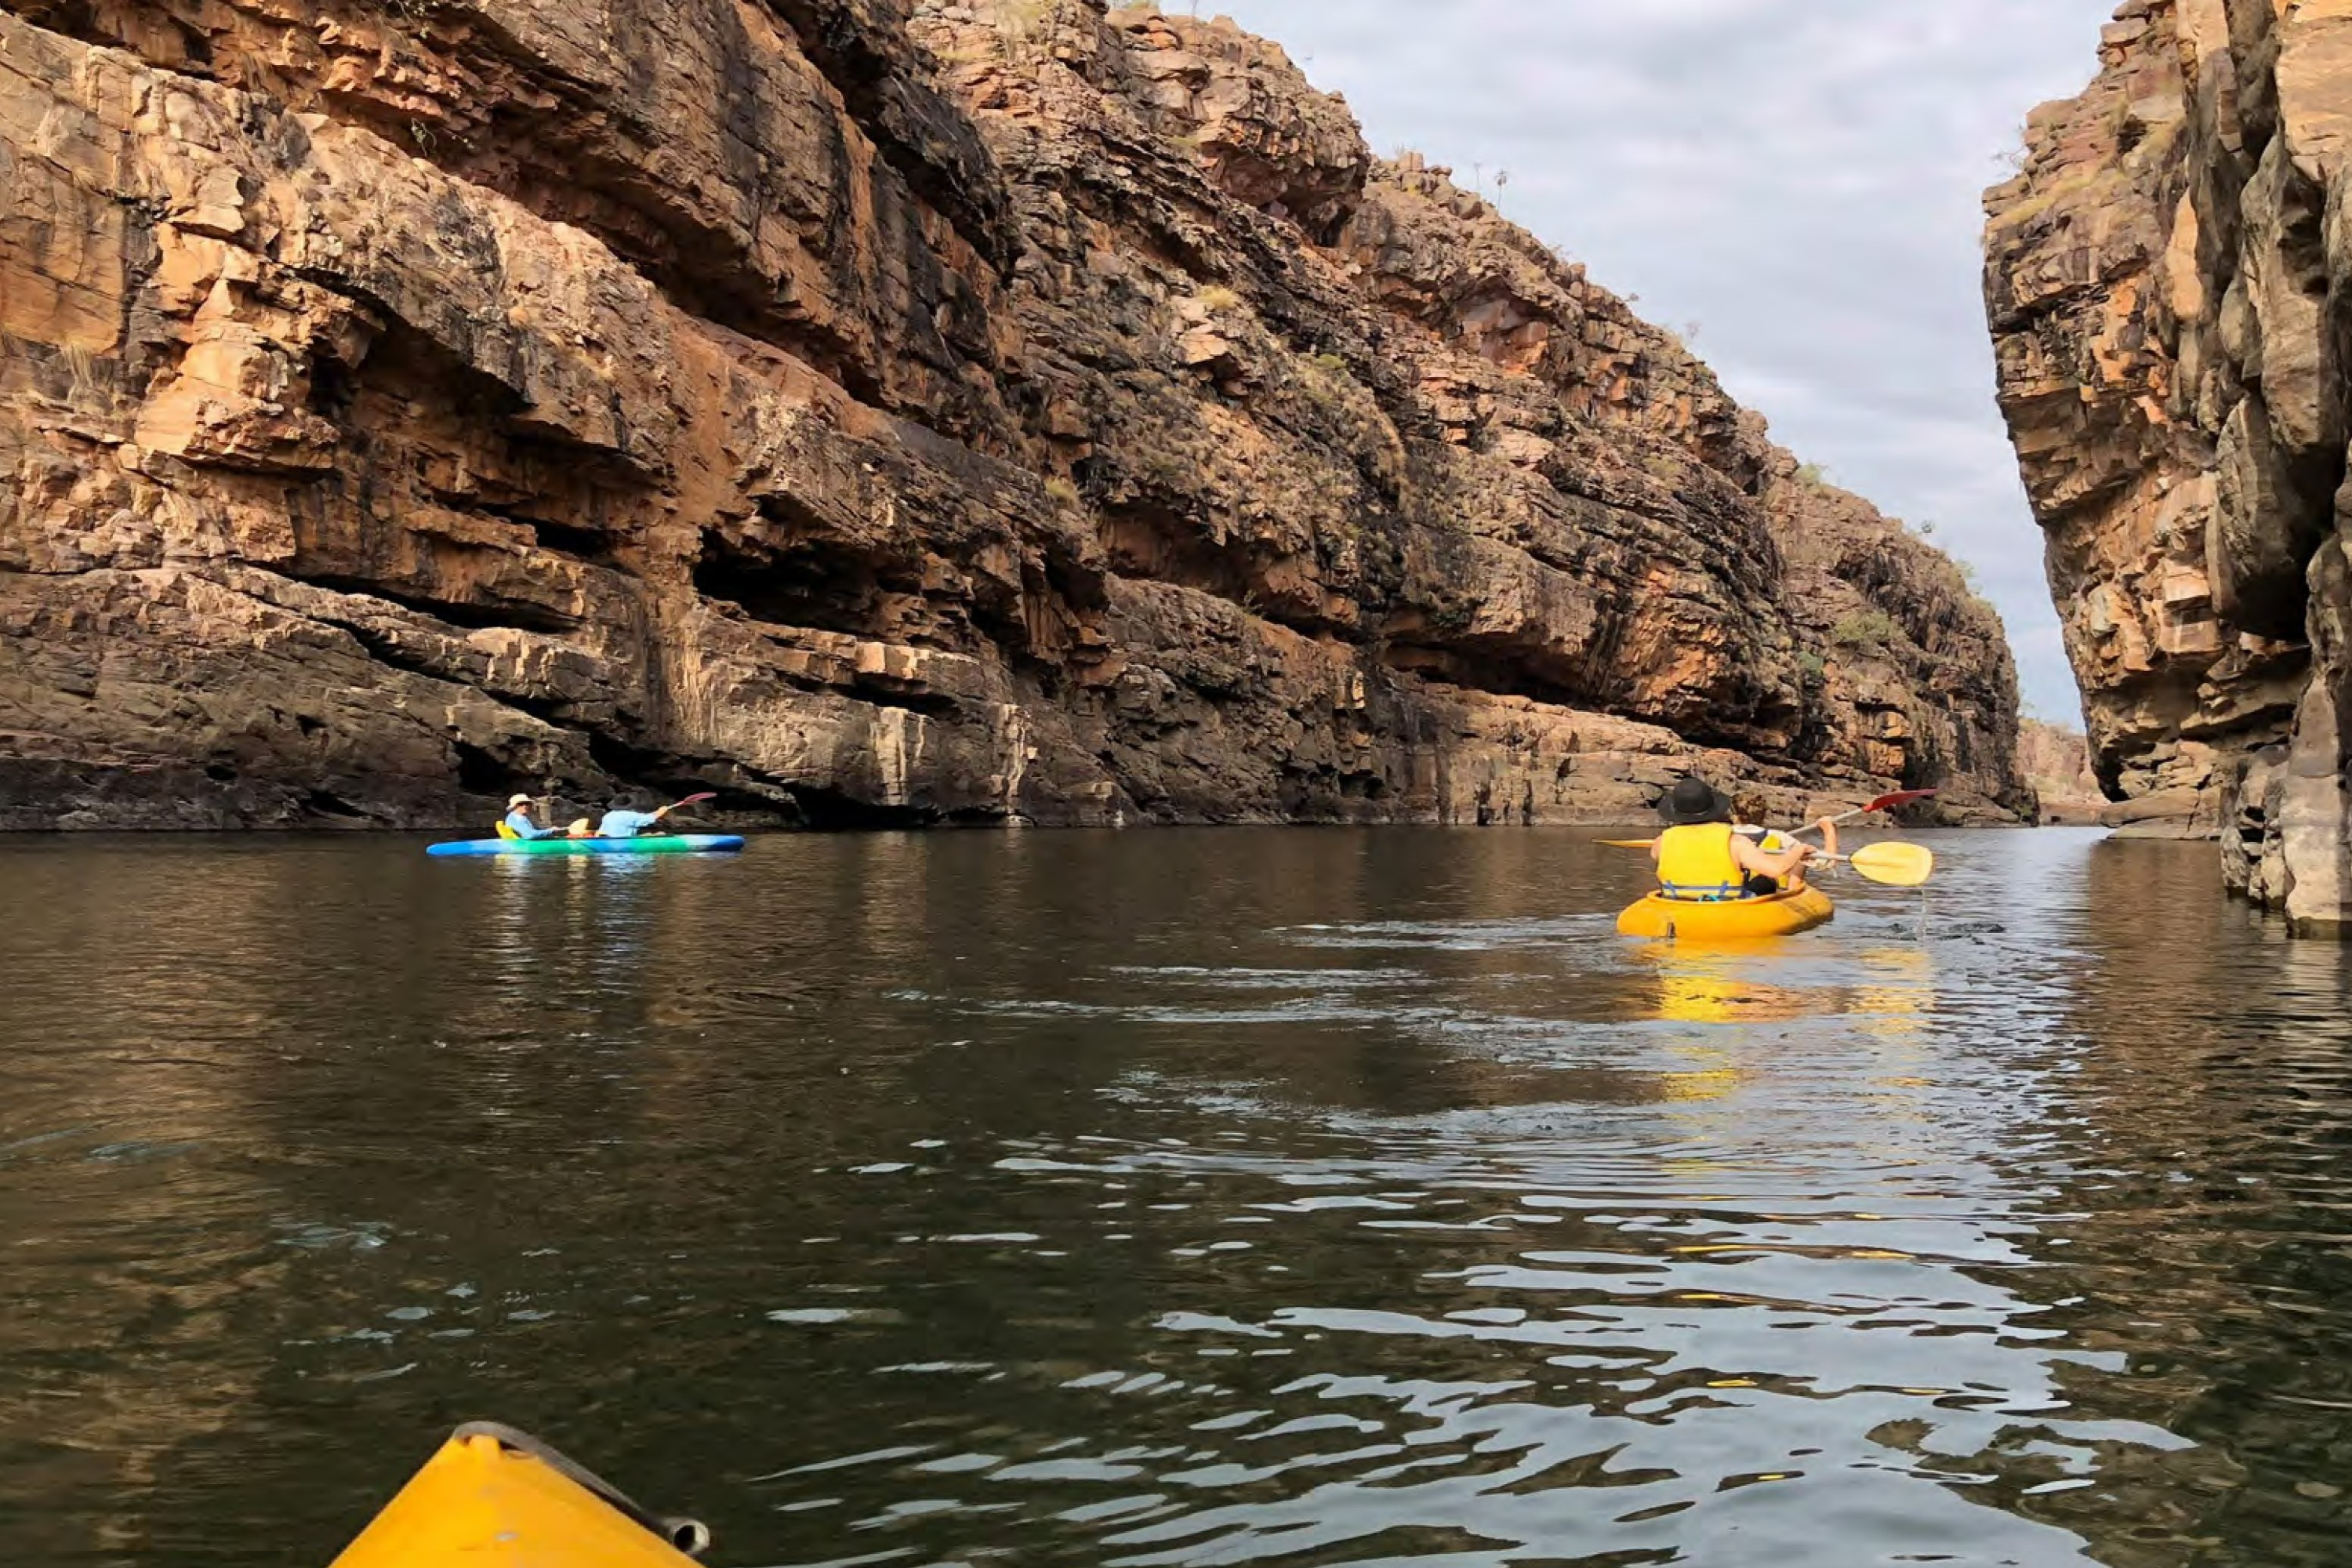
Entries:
{"x":1695,"y":864}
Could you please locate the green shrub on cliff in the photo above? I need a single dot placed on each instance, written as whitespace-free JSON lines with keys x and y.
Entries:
{"x":1866,"y":629}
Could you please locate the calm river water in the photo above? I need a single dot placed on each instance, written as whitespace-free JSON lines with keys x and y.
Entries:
{"x":1173,"y":1198}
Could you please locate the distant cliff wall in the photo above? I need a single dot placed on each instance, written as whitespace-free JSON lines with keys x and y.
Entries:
{"x":877,"y":412}
{"x":2057,"y":767}
{"x":2168,"y":285}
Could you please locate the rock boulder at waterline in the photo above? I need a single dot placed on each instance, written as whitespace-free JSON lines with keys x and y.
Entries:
{"x":879,"y":412}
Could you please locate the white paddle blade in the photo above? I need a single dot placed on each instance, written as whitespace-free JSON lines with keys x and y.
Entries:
{"x":1895,"y":865}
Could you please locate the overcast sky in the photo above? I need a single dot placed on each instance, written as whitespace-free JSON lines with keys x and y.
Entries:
{"x":1801,"y":179}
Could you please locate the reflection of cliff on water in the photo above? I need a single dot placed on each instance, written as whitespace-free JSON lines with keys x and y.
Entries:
{"x":2211,"y":1163}
{"x":243,"y":1092}
{"x":152,"y":1279}
{"x":375,"y":1081}
{"x":1350,"y":1194}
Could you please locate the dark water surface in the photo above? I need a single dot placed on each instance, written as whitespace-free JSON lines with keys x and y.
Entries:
{"x":1174,"y":1198}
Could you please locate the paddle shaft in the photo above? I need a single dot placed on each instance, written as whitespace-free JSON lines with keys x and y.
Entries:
{"x":1652,"y":844}
{"x":1884,"y":803}
{"x":689,"y":800}
{"x":1897,"y":865}
{"x":584,"y":827}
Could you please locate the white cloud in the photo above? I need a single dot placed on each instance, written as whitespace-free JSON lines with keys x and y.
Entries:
{"x":1800,"y":177}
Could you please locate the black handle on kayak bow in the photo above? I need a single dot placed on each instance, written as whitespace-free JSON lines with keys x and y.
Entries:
{"x":690,"y":1536}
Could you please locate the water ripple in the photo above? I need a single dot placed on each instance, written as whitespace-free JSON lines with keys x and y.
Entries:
{"x":1177,"y":1199}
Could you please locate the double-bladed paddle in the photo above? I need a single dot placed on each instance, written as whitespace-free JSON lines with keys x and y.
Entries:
{"x":1901,"y":797}
{"x":1884,"y":803}
{"x":586,"y":828}
{"x":1895,"y":864}
{"x":689,"y":800}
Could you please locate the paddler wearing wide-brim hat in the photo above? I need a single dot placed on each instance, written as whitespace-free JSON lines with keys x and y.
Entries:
{"x":519,"y":823}
{"x":1702,"y":859}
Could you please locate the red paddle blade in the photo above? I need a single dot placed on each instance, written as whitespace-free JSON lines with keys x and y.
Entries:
{"x":1900,"y":797}
{"x":713,"y":794}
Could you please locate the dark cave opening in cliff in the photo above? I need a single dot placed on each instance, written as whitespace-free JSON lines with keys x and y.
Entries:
{"x":829,"y":811}
{"x":481,"y":773}
{"x":502,"y":615}
{"x":813,"y":582}
{"x":587,"y":544}
{"x":640,"y":767}
{"x":1499,"y":673}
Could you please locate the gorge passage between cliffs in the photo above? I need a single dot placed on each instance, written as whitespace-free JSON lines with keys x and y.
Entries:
{"x":882,"y":414}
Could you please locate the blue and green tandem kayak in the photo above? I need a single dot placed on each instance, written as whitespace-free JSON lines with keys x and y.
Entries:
{"x":649,"y":844}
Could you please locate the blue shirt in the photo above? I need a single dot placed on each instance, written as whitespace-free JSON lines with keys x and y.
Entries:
{"x":626,"y":824}
{"x":520,"y":821}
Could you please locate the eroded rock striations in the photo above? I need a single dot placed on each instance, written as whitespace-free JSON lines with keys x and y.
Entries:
{"x":878,"y":412}
{"x":2168,"y":285}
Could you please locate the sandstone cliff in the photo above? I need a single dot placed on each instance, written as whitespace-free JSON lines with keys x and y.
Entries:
{"x":2056,"y":764}
{"x":2167,"y":284}
{"x":879,"y":412}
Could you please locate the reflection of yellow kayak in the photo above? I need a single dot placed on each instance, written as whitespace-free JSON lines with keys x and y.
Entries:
{"x":493,"y":1498}
{"x":1784,"y":914}
{"x":1711,"y":999}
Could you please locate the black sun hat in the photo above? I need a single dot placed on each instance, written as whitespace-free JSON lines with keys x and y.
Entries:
{"x":1692,"y":801}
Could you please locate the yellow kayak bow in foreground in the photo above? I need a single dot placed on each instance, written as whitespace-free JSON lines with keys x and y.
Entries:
{"x":496,"y":1497}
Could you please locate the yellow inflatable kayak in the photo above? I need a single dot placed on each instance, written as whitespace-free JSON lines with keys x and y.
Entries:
{"x":1784,"y":914}
{"x":496,"y":1498}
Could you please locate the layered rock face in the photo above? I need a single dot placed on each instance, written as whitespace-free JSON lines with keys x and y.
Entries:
{"x":2166,"y":279}
{"x":878,"y":412}
{"x":2056,"y":764}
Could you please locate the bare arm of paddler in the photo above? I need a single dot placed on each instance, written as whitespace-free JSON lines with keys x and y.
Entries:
{"x":1787,"y":864}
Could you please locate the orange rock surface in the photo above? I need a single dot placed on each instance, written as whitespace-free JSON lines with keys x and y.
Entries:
{"x":2166,"y":279}
{"x":878,"y":411}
